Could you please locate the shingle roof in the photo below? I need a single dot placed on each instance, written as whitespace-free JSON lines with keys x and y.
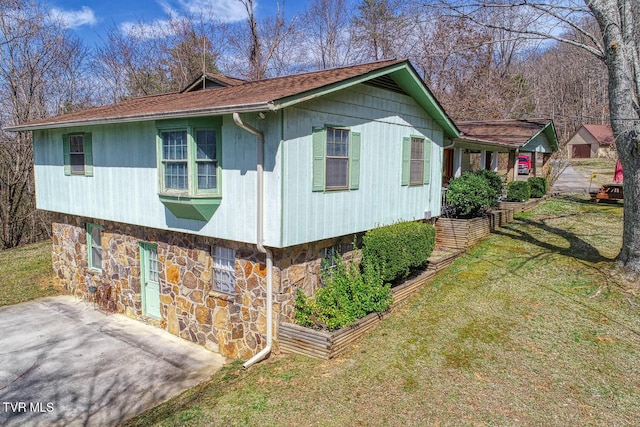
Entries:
{"x":602,"y":133}
{"x":506,"y":132}
{"x":245,"y":96}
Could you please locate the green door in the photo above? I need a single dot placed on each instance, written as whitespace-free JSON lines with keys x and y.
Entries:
{"x":149,"y":279}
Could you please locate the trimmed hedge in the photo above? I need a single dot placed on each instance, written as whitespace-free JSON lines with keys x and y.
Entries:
{"x":494,"y":181}
{"x":539,"y":186}
{"x":470,"y":195}
{"x":518,"y":191}
{"x":396,"y":249}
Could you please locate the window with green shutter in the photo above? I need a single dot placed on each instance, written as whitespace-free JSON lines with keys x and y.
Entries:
{"x":416,"y":160}
{"x":78,"y":154}
{"x":336,"y":159}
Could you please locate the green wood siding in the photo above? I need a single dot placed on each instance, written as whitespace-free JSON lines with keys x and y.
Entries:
{"x":382,"y":119}
{"x":354,"y":161}
{"x":124,"y":187}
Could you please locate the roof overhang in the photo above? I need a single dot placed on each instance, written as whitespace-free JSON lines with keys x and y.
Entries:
{"x":484,"y":144}
{"x":244,"y":108}
{"x":407,"y":79}
{"x":549,"y":131}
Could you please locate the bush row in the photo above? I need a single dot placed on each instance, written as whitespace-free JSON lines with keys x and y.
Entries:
{"x":352,"y":291}
{"x":474,"y":193}
{"x":521,"y":191}
{"x":395,"y":250}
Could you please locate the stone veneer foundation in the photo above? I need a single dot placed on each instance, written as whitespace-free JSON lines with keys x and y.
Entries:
{"x":233,"y":325}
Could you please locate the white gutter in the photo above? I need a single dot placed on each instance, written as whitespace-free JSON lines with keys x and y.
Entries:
{"x":260,"y":239}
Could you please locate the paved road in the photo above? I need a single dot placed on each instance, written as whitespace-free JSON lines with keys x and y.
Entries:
{"x":62,"y":363}
{"x":573,"y":181}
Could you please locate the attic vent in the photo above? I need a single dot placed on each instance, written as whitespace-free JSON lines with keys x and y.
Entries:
{"x":386,"y":82}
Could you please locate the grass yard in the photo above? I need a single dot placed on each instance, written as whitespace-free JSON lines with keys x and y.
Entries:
{"x":26,"y":273}
{"x":533,"y":326}
{"x":603,"y":168}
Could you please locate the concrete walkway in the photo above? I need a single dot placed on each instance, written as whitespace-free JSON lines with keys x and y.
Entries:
{"x":62,"y":363}
{"x":573,"y":181}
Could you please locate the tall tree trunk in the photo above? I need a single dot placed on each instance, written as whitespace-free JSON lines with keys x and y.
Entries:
{"x":621,"y":56}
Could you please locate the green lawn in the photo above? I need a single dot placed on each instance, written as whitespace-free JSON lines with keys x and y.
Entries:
{"x":531,"y":327}
{"x":26,"y":273}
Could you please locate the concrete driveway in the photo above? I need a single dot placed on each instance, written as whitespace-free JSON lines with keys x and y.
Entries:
{"x":573,"y":181}
{"x":62,"y":363}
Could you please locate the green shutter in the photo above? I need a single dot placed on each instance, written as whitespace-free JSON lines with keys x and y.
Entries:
{"x":66,"y":154}
{"x":319,"y":148}
{"x":406,"y":160}
{"x":354,"y":161}
{"x":88,"y":155}
{"x":427,"y":160}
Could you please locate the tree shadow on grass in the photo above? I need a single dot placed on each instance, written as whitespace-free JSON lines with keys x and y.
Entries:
{"x":578,"y":248}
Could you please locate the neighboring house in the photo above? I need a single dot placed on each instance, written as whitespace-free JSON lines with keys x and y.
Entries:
{"x":592,"y":141}
{"x":198,"y":206}
{"x":488,"y":139}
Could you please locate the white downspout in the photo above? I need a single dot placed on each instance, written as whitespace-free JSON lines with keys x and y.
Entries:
{"x":515,"y":165}
{"x":260,"y":239}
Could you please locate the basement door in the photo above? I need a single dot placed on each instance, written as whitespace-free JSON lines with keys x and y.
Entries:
{"x":149,"y":279}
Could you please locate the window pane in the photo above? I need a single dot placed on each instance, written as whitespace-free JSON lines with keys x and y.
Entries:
{"x":77,"y":163}
{"x":174,"y":145}
{"x":206,"y":142}
{"x":337,"y":142}
{"x":175,"y":175}
{"x":416,"y":172}
{"x":337,"y":172}
{"x":224,"y":270}
{"x":207,"y":178}
{"x":153,"y":265}
{"x":96,"y":257}
{"x":96,"y":235}
{"x":76,"y":144}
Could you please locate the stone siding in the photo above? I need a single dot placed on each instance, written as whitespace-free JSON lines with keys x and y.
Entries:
{"x":233,"y":325}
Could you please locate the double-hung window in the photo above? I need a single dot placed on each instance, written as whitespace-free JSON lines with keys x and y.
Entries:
{"x":78,"y":154}
{"x":416,"y":160}
{"x":94,"y":246}
{"x":175,"y":160}
{"x":189,"y":166}
{"x":336,"y":159}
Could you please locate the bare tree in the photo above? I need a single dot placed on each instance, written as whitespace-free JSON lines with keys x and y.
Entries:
{"x":257,"y":49}
{"x":380,"y":28}
{"x":328,"y":37}
{"x":616,"y":45}
{"x":40,"y":68}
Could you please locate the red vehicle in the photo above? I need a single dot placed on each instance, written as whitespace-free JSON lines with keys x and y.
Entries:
{"x":524,"y":164}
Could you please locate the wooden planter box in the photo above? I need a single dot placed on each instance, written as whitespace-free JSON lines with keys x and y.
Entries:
{"x":520,"y":207}
{"x":455,"y":233}
{"x":298,"y":339}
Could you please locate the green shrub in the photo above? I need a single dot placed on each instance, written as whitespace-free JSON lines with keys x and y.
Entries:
{"x":347,"y":296}
{"x":494,"y":181}
{"x":538,"y":185}
{"x":518,"y":191}
{"x":470,"y":195}
{"x":396,"y":249}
